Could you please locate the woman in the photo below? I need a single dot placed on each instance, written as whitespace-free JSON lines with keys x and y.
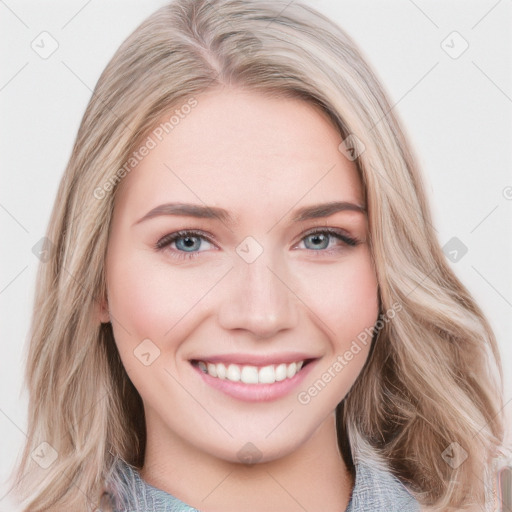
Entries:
{"x":246,"y":307}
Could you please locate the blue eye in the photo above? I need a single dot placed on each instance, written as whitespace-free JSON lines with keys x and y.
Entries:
{"x":188,"y":242}
{"x":319,"y":238}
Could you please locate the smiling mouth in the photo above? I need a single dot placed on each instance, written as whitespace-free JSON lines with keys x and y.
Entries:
{"x":249,"y":374}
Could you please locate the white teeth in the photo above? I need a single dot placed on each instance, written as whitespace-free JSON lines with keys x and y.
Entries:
{"x":233,"y":372}
{"x":251,"y":374}
{"x":267,"y":375}
{"x":291,"y":370}
{"x":221,"y":371}
{"x":281,"y":372}
{"x":212,"y":369}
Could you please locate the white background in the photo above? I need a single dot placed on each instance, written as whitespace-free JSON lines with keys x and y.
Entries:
{"x":457,"y":113}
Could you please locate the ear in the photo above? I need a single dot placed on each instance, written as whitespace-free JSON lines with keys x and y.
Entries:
{"x":102,"y":312}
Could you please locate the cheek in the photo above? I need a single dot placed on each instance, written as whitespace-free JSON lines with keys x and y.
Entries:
{"x":136,"y":298}
{"x":147,"y":298}
{"x":345,"y":300}
{"x":147,"y":301}
{"x":357,"y":297}
{"x":344,"y":297}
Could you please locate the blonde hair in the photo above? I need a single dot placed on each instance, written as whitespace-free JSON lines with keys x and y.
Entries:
{"x":434,"y":375}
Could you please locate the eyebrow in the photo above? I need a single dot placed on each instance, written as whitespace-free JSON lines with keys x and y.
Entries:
{"x":212,"y":212}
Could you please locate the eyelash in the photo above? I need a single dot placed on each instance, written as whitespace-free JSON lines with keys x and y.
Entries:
{"x":182,"y":255}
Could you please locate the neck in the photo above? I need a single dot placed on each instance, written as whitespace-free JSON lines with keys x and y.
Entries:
{"x":313,"y":477}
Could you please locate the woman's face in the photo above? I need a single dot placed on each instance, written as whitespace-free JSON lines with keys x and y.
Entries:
{"x":255,"y":287}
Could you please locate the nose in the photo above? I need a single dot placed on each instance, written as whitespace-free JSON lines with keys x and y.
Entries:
{"x":259,"y":299}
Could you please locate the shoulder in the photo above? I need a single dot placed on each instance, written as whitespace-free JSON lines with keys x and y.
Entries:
{"x":132,"y":494}
{"x":379,"y":490}
{"x":375,"y":489}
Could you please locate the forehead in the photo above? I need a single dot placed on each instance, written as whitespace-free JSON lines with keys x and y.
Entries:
{"x":244,"y":150}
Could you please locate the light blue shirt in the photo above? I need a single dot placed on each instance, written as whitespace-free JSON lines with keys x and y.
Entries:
{"x":374,"y":490}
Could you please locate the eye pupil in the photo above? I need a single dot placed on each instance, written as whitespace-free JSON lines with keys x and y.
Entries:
{"x":188,"y":242}
{"x":318,"y":238}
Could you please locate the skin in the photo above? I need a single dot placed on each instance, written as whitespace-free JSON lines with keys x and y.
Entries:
{"x":260,"y":158}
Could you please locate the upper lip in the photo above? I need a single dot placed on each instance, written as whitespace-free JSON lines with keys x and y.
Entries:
{"x":256,"y":359}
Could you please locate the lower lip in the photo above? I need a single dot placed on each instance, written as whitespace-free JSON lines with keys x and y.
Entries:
{"x":256,"y":392}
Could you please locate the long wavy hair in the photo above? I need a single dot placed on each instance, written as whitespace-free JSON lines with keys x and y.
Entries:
{"x":433,"y":380}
